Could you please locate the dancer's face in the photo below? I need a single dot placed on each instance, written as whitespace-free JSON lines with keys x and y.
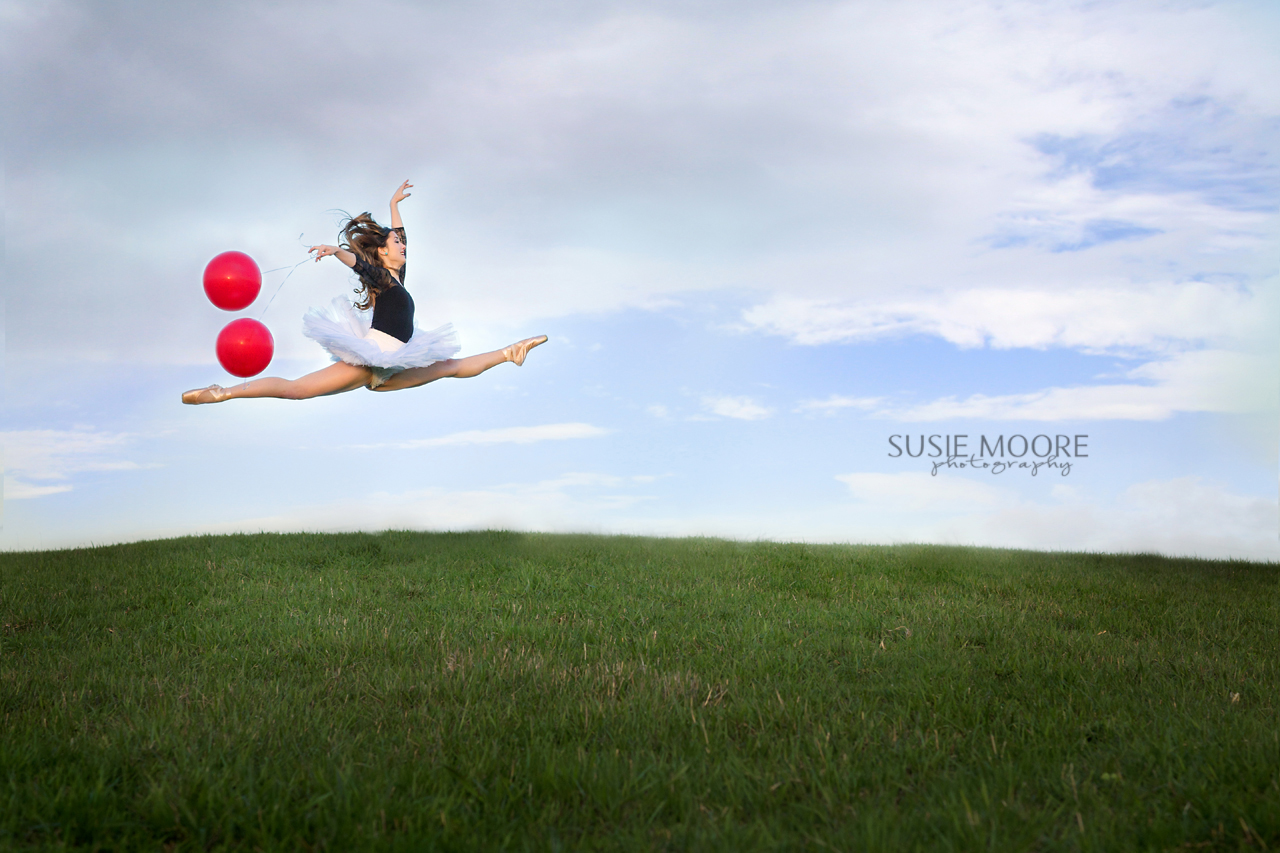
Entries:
{"x":393,"y":252}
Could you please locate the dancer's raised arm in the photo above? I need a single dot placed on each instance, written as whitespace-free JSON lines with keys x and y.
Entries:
{"x":399,"y":196}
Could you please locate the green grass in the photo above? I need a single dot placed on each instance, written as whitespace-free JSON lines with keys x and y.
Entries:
{"x":491,"y":690}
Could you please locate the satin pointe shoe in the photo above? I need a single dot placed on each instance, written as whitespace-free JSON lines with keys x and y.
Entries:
{"x":212,"y":394}
{"x":517,"y":351}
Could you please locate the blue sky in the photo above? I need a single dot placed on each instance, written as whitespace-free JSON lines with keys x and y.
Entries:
{"x":763,"y":238}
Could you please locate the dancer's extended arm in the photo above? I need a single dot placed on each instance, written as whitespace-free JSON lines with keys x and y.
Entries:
{"x":323,"y":251}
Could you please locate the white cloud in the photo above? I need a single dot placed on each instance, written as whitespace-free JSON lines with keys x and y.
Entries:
{"x":572,"y":502}
{"x":1184,"y":515}
{"x":1073,"y":213}
{"x":1203,"y":381}
{"x":837,"y":401}
{"x":581,"y":479}
{"x":1179,"y":516}
{"x":56,"y":455}
{"x":1152,"y":318}
{"x":504,"y":435}
{"x":16,"y":490}
{"x":741,"y":408}
{"x":916,"y":491}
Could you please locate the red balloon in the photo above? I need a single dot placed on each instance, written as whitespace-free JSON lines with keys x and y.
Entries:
{"x":245,"y":347}
{"x":232,"y":281}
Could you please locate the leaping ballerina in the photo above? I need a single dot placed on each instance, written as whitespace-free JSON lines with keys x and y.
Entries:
{"x":386,"y":354}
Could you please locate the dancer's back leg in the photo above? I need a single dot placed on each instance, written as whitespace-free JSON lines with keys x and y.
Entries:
{"x":334,"y":379}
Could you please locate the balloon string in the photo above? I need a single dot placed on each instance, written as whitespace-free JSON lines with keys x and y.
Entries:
{"x":278,"y":289}
{"x":286,"y":278}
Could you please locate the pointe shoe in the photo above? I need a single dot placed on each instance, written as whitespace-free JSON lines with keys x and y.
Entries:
{"x":212,"y":394}
{"x":517,"y":351}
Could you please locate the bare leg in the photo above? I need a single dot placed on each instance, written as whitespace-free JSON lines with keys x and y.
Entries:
{"x":334,"y":379}
{"x":460,"y":368}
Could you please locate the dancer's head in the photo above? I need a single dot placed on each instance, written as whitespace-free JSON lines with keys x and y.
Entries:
{"x":378,"y":246}
{"x":381,"y":248}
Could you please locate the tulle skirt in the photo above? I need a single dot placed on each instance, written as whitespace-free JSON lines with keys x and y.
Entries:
{"x":345,"y":333}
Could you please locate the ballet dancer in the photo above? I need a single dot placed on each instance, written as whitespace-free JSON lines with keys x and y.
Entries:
{"x":386,"y":353}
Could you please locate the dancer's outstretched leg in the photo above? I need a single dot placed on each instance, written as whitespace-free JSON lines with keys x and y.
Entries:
{"x":461,"y":368}
{"x":334,"y":379}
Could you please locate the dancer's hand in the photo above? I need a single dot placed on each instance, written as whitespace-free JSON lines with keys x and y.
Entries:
{"x":400,"y":194}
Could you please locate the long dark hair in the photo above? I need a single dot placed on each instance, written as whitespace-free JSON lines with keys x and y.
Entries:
{"x":363,"y":236}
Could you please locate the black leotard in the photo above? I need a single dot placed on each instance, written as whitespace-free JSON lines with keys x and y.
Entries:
{"x":392,"y":305}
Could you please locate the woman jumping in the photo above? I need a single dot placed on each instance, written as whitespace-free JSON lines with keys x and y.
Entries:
{"x":386,"y":354}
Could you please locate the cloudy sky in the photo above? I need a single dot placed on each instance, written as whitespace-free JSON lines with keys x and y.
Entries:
{"x":770,"y":242}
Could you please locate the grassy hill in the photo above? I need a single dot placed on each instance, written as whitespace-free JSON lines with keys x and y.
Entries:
{"x":486,"y":690}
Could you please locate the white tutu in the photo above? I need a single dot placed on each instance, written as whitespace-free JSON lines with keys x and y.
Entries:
{"x":345,"y":333}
